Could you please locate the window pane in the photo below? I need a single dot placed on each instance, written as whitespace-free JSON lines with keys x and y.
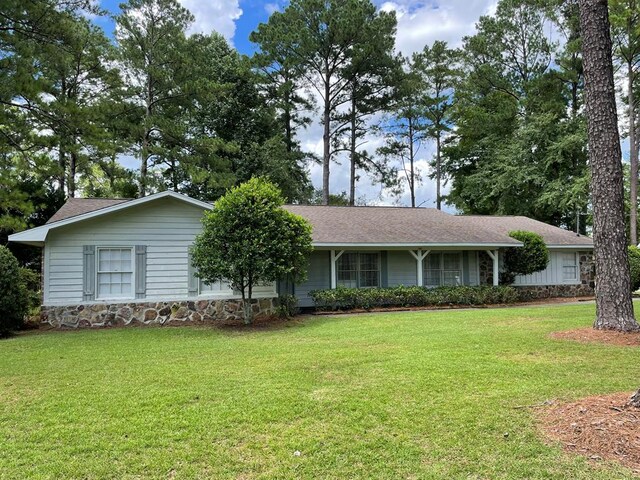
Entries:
{"x":451,"y":261}
{"x":347,"y":266}
{"x":433,"y":261}
{"x":115,"y":273}
{"x":451,"y":277}
{"x":432,"y":278}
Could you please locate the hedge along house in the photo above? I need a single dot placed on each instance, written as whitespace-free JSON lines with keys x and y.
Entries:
{"x":118,"y":261}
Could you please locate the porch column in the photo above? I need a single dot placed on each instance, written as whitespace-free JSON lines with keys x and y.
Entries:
{"x":419,"y":255}
{"x":495,"y":256}
{"x":335,"y":255}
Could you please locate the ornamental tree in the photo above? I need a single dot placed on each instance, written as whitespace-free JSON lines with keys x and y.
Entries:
{"x":248,"y":239}
{"x":532,"y":257}
{"x":14,"y":303}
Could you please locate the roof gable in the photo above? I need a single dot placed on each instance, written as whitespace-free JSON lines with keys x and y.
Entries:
{"x":36,"y":236}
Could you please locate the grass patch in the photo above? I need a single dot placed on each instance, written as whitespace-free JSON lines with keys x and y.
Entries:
{"x":396,"y":395}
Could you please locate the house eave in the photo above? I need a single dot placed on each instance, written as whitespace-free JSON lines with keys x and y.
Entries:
{"x":383,"y":245}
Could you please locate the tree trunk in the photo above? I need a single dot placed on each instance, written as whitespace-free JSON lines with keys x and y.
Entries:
{"x":62,"y":163}
{"x":614,"y":308}
{"x":145,"y":139}
{"x":353,"y":154}
{"x":326,"y":140}
{"x":246,"y":305}
{"x":73,"y":165}
{"x":635,"y":399}
{"x":412,"y":185}
{"x":633,"y":155}
{"x":438,"y":171}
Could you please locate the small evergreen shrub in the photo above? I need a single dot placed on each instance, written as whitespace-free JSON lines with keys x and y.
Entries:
{"x":342,"y":298}
{"x":532,"y":257}
{"x":287,"y":306}
{"x":634,"y":266}
{"x":14,"y":297}
{"x":31,"y":281}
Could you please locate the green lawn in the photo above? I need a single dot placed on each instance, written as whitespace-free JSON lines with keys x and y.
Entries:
{"x":399,"y":395}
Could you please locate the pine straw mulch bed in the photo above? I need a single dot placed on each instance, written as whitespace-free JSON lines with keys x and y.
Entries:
{"x":600,"y":428}
{"x":607,"y":337}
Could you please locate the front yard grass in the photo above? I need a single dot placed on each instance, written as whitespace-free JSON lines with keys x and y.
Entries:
{"x":397,"y":395}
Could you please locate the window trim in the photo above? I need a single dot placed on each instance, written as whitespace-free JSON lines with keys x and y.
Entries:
{"x":132,"y":293}
{"x":378,"y":255}
{"x":211,"y":294}
{"x":441,"y":254}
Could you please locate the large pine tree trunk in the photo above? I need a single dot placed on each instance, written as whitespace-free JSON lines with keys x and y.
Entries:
{"x":326,"y":140}
{"x":614,"y":308}
{"x":353,"y":154}
{"x":438,"y":171}
{"x":633,"y":159}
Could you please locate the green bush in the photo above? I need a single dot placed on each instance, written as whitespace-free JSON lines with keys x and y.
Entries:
{"x":634,"y":265}
{"x":532,"y":257}
{"x":14,"y":297}
{"x":342,"y":298}
{"x":287,"y":306}
{"x":31,"y":281}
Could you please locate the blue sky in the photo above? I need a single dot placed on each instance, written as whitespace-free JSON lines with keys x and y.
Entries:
{"x":420,"y":22}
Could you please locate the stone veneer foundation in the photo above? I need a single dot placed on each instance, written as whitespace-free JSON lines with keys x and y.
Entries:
{"x":221,"y":312}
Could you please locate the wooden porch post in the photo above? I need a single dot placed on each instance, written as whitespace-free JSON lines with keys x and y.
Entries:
{"x":495,"y":256}
{"x":334,"y":258}
{"x":419,"y":255}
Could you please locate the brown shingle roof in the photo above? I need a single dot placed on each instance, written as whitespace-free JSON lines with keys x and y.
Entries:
{"x":551,"y":235}
{"x":77,"y":206}
{"x":399,"y":225}
{"x":390,"y":225}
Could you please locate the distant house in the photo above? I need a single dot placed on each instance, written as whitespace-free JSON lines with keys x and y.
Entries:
{"x":115,"y":261}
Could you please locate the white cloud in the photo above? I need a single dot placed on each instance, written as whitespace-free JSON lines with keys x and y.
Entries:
{"x":214,"y":15}
{"x":421,"y":23}
{"x":271,"y":8}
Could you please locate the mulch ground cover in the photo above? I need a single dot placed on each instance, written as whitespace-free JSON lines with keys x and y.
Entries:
{"x":599,"y":427}
{"x":608,"y":337}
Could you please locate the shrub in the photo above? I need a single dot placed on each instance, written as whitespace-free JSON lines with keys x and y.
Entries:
{"x":287,"y":306}
{"x":532,"y":257}
{"x":634,"y":265}
{"x":31,"y":281}
{"x":14,"y":301}
{"x":342,"y":298}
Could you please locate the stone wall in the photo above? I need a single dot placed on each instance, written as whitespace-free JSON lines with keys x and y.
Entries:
{"x":222,"y":312}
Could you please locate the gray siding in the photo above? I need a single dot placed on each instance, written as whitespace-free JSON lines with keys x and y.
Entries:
{"x":318,"y":277}
{"x":552,"y":275}
{"x":167,"y":227}
{"x":473,"y":271}
{"x":401,"y":268}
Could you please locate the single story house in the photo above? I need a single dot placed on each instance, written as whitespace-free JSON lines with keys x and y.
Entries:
{"x":117,"y":261}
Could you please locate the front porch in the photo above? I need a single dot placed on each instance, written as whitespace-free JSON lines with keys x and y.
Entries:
{"x":370,"y":268}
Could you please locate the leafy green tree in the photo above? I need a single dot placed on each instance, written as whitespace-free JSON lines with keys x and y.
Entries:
{"x":625,"y":26}
{"x":372,"y":70}
{"x":532,"y":257}
{"x":405,"y":129}
{"x":318,"y":37}
{"x":153,"y":52}
{"x":14,"y":302}
{"x":249,"y":239}
{"x":519,"y":146}
{"x":439,"y":69}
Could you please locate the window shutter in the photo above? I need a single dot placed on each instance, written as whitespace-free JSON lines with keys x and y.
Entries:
{"x":141,"y":271}
{"x":89,"y":272}
{"x":194,"y":281}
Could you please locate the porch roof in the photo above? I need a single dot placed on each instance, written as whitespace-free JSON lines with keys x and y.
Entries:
{"x":428,"y":227}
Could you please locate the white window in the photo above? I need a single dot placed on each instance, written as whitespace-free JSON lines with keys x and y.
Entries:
{"x":217,"y":288}
{"x":569,"y":267}
{"x":358,"y":270}
{"x":443,"y":268}
{"x":115,"y":273}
